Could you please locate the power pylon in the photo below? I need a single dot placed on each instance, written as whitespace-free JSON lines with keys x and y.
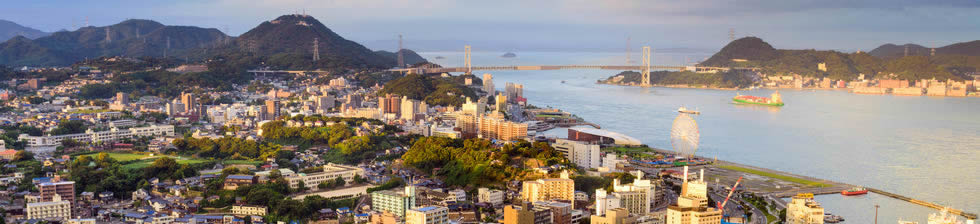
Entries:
{"x":628,"y":50}
{"x":108,"y":36}
{"x":645,"y":80}
{"x":731,"y":34}
{"x":468,"y":60}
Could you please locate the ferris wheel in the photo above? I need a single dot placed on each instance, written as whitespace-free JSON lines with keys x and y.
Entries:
{"x":684,"y":135}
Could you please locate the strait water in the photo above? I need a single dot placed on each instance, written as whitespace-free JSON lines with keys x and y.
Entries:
{"x":923,"y":147}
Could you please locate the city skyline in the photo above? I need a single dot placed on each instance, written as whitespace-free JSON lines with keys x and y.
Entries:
{"x":551,"y":25}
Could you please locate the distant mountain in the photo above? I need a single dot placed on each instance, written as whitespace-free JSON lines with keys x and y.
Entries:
{"x":409,"y":56}
{"x":131,"y":38}
{"x":753,"y":52}
{"x":892,"y":50}
{"x":10,"y":30}
{"x":291,"y":37}
{"x":971,"y":48}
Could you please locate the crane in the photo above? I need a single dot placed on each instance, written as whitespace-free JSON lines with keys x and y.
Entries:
{"x":721,"y":205}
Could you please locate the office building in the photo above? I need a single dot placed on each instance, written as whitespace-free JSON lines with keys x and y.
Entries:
{"x":804,"y":210}
{"x":64,"y":190}
{"x":190,"y":103}
{"x":514,"y":92}
{"x":562,"y":189}
{"x":324,"y":103}
{"x":637,"y":197}
{"x":490,"y":196}
{"x":54,"y":209}
{"x":691,"y":206}
{"x":427,"y":215}
{"x":394,"y":201}
{"x":582,"y":154}
{"x":271,"y":109}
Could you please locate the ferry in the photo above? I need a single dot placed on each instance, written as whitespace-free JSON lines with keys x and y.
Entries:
{"x":686,"y":111}
{"x":774,"y":100}
{"x":854,"y":191}
{"x":831,"y":218}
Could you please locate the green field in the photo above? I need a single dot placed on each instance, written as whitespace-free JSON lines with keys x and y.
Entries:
{"x":147,"y":162}
{"x":638,"y":152}
{"x":121,"y":157}
{"x":775,"y":176}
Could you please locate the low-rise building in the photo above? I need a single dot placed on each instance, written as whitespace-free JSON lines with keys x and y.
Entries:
{"x":427,"y":215}
{"x":232,"y":182}
{"x":54,"y":209}
{"x":582,"y":154}
{"x":330,"y":173}
{"x":804,"y":210}
{"x":248,"y":210}
{"x":490,"y":196}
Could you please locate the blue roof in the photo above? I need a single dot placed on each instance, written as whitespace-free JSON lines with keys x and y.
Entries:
{"x":362,"y":215}
{"x":425,"y":209}
{"x":241,"y":177}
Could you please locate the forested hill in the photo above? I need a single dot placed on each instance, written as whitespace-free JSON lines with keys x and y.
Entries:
{"x":754,"y":52}
{"x":130,"y":38}
{"x":891,"y":51}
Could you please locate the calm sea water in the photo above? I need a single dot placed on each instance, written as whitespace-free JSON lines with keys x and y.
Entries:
{"x":923,"y":147}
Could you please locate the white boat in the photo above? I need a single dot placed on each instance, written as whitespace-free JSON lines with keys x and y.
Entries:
{"x":686,"y":111}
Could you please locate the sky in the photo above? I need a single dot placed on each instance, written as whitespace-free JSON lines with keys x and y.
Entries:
{"x":511,"y":25}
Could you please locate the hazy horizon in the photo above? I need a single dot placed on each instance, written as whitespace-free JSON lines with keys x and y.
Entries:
{"x":441,"y":25}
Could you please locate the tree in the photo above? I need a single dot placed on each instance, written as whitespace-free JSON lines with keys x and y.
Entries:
{"x":301,"y":186}
{"x":23,"y":155}
{"x":339,"y":182}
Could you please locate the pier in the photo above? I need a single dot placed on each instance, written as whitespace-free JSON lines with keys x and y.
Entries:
{"x":924,"y":203}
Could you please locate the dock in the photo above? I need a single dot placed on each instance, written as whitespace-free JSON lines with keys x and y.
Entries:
{"x":923,"y":203}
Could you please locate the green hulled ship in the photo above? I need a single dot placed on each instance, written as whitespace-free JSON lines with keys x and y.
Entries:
{"x":774,"y":100}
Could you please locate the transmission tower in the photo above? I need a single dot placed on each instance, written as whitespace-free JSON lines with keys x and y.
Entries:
{"x":628,"y":50}
{"x":731,"y":34}
{"x":906,"y":50}
{"x":108,"y":36}
{"x":467,"y":60}
{"x":645,"y":80}
{"x":166,"y":50}
{"x":401,"y":58}
{"x":932,"y":52}
{"x":316,"y":49}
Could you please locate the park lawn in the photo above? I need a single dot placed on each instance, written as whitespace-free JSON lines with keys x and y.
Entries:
{"x":147,"y":162}
{"x":775,"y":176}
{"x":241,"y":162}
{"x":627,"y":150}
{"x":121,"y":156}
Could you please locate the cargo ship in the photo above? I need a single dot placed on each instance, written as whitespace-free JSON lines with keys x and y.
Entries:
{"x":774,"y":100}
{"x":854,"y":191}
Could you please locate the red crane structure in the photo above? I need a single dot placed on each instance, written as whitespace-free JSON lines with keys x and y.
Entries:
{"x":721,"y":205}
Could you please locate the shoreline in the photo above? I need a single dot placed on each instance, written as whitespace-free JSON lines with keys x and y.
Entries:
{"x":811,"y":184}
{"x":849,"y":90}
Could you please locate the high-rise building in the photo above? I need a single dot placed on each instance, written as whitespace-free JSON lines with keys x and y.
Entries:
{"x":409,"y":108}
{"x":271,"y":109}
{"x":394,"y":201}
{"x":488,"y":84}
{"x":473,"y":108}
{"x":582,"y":154}
{"x":804,"y":210}
{"x":526,"y":213}
{"x":495,"y":126}
{"x":562,"y":189}
{"x":389,"y":104}
{"x":324,"y":103}
{"x":514,"y":92}
{"x":64,"y":189}
{"x":636,"y":197}
{"x":427,"y":215}
{"x":691,"y":206}
{"x":122,"y":98}
{"x":190,"y":103}
{"x":33,"y":84}
{"x":501,"y":102}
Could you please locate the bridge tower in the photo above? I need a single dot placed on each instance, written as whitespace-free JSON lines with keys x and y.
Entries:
{"x":645,"y":79}
{"x":401,"y":58}
{"x":468,"y":60}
